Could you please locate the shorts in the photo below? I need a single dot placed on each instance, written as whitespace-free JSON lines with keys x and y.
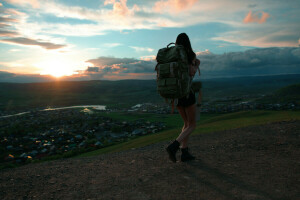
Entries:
{"x":187,"y":101}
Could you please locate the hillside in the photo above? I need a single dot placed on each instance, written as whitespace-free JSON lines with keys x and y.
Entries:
{"x":256,"y":162}
{"x":286,"y":94}
{"x":125,"y":93}
{"x":246,"y":86}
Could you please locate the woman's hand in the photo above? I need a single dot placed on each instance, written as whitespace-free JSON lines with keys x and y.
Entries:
{"x":197,"y":62}
{"x":194,"y":67}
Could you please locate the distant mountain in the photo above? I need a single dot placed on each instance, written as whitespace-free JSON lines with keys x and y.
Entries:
{"x":15,"y":96}
{"x":248,"y":85}
{"x":124,"y":93}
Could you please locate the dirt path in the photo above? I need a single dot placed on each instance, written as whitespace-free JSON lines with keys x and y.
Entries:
{"x":259,"y":162}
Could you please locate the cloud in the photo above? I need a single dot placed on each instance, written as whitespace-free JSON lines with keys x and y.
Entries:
{"x":111,"y":45}
{"x":267,"y":36}
{"x":14,"y":50}
{"x":3,"y":25}
{"x":107,"y":61}
{"x":118,"y":11}
{"x":33,"y":3}
{"x":251,"y":62}
{"x":92,"y":69}
{"x":23,"y":78}
{"x":4,"y":33}
{"x":14,"y":30}
{"x":141,"y":49}
{"x":7,"y":19}
{"x":206,"y":52}
{"x":120,"y":8}
{"x":32,"y":42}
{"x":173,"y":5}
{"x":148,"y":58}
{"x":10,"y":11}
{"x":254,"y":17}
{"x":252,"y":5}
{"x":108,"y":66}
{"x":140,"y":66}
{"x":107,"y":2}
{"x":119,"y":17}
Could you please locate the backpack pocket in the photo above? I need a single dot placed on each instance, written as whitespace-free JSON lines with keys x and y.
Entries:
{"x":171,"y":81}
{"x":167,"y":70}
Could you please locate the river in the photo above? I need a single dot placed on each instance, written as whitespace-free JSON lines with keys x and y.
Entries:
{"x":95,"y":107}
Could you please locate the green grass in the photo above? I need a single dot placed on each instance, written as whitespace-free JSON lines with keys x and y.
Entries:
{"x":170,"y":120}
{"x":208,"y":124}
{"x":290,"y":93}
{"x":245,"y":118}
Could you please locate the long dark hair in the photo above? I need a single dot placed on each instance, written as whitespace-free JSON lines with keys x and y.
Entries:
{"x":183,"y":39}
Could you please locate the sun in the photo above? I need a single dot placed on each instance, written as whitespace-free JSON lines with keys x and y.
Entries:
{"x":58,"y":74}
{"x":56,"y":68}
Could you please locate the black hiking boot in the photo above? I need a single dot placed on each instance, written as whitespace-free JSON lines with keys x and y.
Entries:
{"x":185,"y":156}
{"x":172,"y":149}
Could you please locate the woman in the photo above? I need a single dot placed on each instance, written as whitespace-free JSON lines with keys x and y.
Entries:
{"x":186,"y":106}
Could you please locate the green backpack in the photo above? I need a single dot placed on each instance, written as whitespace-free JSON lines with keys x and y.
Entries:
{"x":173,"y":80}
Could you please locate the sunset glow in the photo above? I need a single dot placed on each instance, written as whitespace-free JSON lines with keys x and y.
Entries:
{"x":56,"y":68}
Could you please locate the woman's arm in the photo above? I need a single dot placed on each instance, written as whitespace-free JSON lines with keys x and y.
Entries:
{"x":197,"y":62}
{"x":199,"y":98}
{"x":194,"y":67}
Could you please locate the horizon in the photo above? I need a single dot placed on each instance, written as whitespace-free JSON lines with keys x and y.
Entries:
{"x":119,"y":39}
{"x":116,"y":80}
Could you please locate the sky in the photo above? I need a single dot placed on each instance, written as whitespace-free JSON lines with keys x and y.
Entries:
{"x":45,"y":40}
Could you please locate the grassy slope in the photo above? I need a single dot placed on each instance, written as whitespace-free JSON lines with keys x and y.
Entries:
{"x":284,"y":95}
{"x":206,"y":125}
{"x":170,"y":120}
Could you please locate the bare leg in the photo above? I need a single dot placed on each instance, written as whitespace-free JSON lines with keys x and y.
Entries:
{"x":185,"y":142}
{"x":183,"y":128}
{"x":191,"y":117}
{"x":183,"y":115}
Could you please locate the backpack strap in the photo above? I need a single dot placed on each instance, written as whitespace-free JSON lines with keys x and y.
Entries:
{"x":173,"y":107}
{"x":157,"y":65}
{"x":170,"y":44}
{"x":174,"y":101}
{"x":172,"y":69}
